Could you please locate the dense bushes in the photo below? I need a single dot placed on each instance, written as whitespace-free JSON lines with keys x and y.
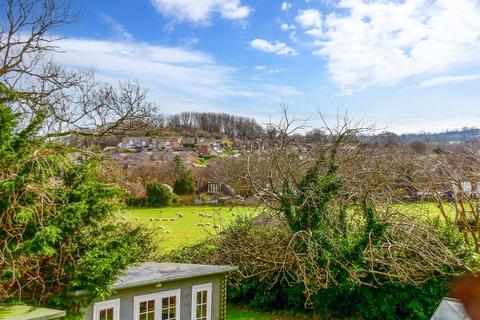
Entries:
{"x":184,"y":184}
{"x":59,"y":231}
{"x":387,"y":301}
{"x":159,"y":195}
{"x":268,"y":280}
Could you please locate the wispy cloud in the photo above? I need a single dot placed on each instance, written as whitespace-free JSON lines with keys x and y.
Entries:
{"x":118,"y":28}
{"x":178,"y":78}
{"x":201,"y":11}
{"x":287,"y":27}
{"x":286,"y":6}
{"x":268,"y":69}
{"x":448,"y":80}
{"x":384,"y":42}
{"x":278,"y":48}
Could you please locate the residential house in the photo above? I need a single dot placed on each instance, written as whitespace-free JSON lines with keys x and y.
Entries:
{"x":137,"y":142}
{"x":166,"y":291}
{"x":215,"y":192}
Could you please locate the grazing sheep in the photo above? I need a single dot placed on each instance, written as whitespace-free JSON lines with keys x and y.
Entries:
{"x":161,"y":227}
{"x":164,"y":219}
{"x":209,"y":216}
{"x":200,"y":224}
{"x":180,"y":215}
{"x":172,"y":219}
{"x":151,"y":219}
{"x":137,"y":218}
{"x":158,"y":219}
{"x":124,"y":218}
{"x":168,"y":231}
{"x":208,"y":223}
{"x":216,"y":226}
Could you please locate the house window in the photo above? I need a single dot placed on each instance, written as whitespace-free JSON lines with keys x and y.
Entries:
{"x":212,"y":187}
{"x":202,"y":302}
{"x":158,"y":306}
{"x":107,"y":310}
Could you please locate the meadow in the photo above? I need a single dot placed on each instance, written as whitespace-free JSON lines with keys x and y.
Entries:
{"x":186,"y":225}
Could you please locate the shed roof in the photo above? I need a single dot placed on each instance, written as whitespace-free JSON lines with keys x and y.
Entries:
{"x":24,"y":312}
{"x":450,"y":309}
{"x":150,"y":273}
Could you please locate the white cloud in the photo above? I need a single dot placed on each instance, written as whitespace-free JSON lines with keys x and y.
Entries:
{"x":177,"y":78}
{"x":286,"y":6}
{"x":267,"y":69}
{"x":118,"y":28}
{"x":287,"y":27}
{"x":277,"y":47}
{"x":438,"y":81}
{"x":200,"y":11}
{"x":383,"y":42}
{"x":310,"y":18}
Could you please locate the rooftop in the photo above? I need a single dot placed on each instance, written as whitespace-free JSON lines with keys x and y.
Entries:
{"x":24,"y":312}
{"x":450,"y":309}
{"x":152,"y":273}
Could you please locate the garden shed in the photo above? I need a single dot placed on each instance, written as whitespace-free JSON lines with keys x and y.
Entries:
{"x":166,"y":291}
{"x":24,"y":312}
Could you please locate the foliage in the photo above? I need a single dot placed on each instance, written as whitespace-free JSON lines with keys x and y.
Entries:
{"x":184,"y":183}
{"x":59,"y":230}
{"x":159,"y":195}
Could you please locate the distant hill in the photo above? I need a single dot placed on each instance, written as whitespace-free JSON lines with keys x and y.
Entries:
{"x":450,"y":136}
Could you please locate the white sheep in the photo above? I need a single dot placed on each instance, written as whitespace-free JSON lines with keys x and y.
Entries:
{"x":172,"y":219}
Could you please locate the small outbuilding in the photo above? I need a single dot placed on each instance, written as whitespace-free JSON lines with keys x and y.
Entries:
{"x":24,"y":312}
{"x":166,"y":291}
{"x":450,"y":309}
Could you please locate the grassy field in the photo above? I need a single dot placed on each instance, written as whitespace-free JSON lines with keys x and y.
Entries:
{"x":237,"y":313}
{"x":193,"y":227}
{"x":197,"y":223}
{"x":426,"y":209}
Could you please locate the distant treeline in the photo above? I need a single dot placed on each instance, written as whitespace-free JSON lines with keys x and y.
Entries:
{"x":460,"y":135}
{"x":223,"y":123}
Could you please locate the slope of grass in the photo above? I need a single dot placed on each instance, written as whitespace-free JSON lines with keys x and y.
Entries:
{"x":238,"y":313}
{"x":189,"y":229}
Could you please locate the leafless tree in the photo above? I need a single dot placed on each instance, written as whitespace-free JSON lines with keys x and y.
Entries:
{"x":338,"y":192}
{"x":72,"y":101}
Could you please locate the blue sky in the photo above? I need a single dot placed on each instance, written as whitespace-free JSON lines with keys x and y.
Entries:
{"x":403,"y":65}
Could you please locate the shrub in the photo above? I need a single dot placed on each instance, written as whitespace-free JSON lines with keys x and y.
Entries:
{"x":184,"y":184}
{"x":158,"y":195}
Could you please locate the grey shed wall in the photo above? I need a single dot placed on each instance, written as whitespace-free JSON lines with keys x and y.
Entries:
{"x":126,"y":297}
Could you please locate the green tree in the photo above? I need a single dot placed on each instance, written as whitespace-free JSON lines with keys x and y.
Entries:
{"x":184,"y":183}
{"x":158,"y":195}
{"x":59,"y":227}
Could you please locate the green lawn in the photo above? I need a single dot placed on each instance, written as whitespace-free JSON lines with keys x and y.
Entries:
{"x":426,"y":209}
{"x":237,"y":313}
{"x":189,"y":229}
